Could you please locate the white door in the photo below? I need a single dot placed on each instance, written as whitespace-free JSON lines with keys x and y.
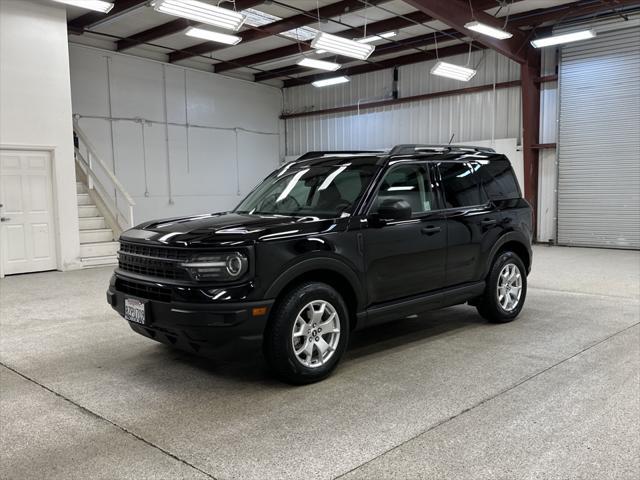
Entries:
{"x":27,"y":233}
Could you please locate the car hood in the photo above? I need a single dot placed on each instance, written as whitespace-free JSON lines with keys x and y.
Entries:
{"x":223,"y":229}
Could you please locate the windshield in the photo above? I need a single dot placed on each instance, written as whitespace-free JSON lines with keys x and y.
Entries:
{"x":325,"y":191}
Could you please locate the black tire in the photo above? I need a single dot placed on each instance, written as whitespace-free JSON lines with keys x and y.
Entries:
{"x":277,"y":344}
{"x":488,"y":306}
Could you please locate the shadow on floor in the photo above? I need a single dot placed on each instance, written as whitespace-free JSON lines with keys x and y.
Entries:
{"x":244,"y":362}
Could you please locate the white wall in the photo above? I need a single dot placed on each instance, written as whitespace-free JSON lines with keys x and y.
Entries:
{"x":477,"y":116}
{"x":547,"y":158}
{"x":180,"y":140}
{"x":35,"y":102}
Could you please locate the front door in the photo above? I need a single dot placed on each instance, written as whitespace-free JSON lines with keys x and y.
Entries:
{"x":27,"y":233}
{"x":405,"y":258}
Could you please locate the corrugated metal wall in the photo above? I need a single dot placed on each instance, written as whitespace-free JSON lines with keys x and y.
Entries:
{"x":476,"y":116}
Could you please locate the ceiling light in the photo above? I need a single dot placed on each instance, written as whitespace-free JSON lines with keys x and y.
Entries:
{"x":375,"y":38}
{"x":563,"y":38}
{"x":200,"y":12}
{"x":485,"y":29}
{"x":97,"y":5}
{"x":330,"y":81}
{"x":213,"y":36}
{"x":342,"y":46}
{"x":321,"y":64}
{"x":449,"y":70}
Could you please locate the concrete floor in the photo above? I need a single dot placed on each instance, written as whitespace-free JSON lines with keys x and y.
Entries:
{"x":555,"y":394}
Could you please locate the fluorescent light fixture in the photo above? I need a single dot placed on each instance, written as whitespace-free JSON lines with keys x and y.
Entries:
{"x":375,"y":38}
{"x":320,"y":64}
{"x":563,"y":38}
{"x":201,"y":12}
{"x":212,"y":36}
{"x":371,"y":39}
{"x":97,"y":5}
{"x":330,"y":81}
{"x":342,"y":46}
{"x":449,"y":70}
{"x":485,"y":29}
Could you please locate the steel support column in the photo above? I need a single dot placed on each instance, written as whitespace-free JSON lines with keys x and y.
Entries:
{"x":529,"y":73}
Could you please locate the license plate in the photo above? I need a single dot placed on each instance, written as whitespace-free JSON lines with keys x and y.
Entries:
{"x":134,"y":310}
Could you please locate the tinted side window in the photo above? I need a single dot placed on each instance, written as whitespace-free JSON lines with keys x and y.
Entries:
{"x":462,"y":184}
{"x":499,"y":180}
{"x":409,"y":183}
{"x":350,"y":185}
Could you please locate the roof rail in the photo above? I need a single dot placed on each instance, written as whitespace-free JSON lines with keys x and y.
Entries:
{"x":322,"y":153}
{"x":408,"y":149}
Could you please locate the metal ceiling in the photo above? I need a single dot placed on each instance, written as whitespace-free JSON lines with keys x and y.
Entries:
{"x":268,"y":53}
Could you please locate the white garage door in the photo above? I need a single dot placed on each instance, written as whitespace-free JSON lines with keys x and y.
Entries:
{"x":27,"y":233}
{"x":599,"y":142}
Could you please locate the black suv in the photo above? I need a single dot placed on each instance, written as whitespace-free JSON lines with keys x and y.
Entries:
{"x":330,"y":243}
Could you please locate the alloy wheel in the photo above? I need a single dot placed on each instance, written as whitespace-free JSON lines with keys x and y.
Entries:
{"x":316,"y":333}
{"x":509,"y":287}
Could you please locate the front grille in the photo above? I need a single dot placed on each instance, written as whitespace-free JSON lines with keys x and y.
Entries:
{"x":142,"y":290}
{"x":153,"y":261}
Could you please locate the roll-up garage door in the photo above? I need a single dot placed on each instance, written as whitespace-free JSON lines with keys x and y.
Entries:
{"x":599,"y":141}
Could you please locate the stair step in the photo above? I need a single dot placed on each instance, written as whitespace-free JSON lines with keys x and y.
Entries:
{"x":88,"y":211}
{"x":99,"y":261}
{"x":84,"y":199}
{"x":80,"y":187}
{"x":98,"y":249}
{"x":92,"y":223}
{"x":96,"y":235}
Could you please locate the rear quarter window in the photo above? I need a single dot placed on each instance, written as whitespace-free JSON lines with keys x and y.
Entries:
{"x":462,"y":184}
{"x":499,"y":181}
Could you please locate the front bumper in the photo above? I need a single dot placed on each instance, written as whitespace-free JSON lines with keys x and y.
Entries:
{"x":194,"y":326}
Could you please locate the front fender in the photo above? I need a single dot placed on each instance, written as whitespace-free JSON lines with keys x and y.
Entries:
{"x":323,"y":263}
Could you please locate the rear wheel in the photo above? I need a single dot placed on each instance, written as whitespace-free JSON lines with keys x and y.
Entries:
{"x":506,"y":289}
{"x":307,"y":333}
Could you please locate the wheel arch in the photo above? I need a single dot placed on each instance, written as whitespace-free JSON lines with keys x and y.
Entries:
{"x":326,"y":270}
{"x":515,"y":242}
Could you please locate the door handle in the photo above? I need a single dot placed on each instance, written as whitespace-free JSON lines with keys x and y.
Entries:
{"x":4,"y":219}
{"x":487,"y":222}
{"x":430,"y":230}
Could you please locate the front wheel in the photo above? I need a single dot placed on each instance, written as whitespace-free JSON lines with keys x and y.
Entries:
{"x":506,"y":289}
{"x":307,"y":333}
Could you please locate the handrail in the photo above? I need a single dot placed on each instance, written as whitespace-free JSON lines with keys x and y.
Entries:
{"x":92,"y":177}
{"x":91,"y":149}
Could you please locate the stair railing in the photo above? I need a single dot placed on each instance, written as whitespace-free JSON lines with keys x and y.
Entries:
{"x":101,"y":180}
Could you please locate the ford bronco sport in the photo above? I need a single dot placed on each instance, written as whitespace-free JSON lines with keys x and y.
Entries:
{"x":327,"y":244}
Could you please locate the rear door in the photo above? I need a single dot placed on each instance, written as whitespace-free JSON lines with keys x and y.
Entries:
{"x":474,"y":223}
{"x":405,"y":258}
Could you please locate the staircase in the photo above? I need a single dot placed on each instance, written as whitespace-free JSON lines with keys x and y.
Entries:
{"x":97,"y":245}
{"x":105,"y":208}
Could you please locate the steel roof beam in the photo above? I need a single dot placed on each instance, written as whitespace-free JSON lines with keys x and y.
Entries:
{"x":456,"y":13}
{"x":388,"y":63}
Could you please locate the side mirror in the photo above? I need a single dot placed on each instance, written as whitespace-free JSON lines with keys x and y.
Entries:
{"x":393,"y":209}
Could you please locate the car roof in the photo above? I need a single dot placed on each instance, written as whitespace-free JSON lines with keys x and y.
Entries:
{"x":400,"y":152}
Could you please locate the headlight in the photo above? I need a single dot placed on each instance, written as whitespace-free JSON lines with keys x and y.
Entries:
{"x":218,"y":267}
